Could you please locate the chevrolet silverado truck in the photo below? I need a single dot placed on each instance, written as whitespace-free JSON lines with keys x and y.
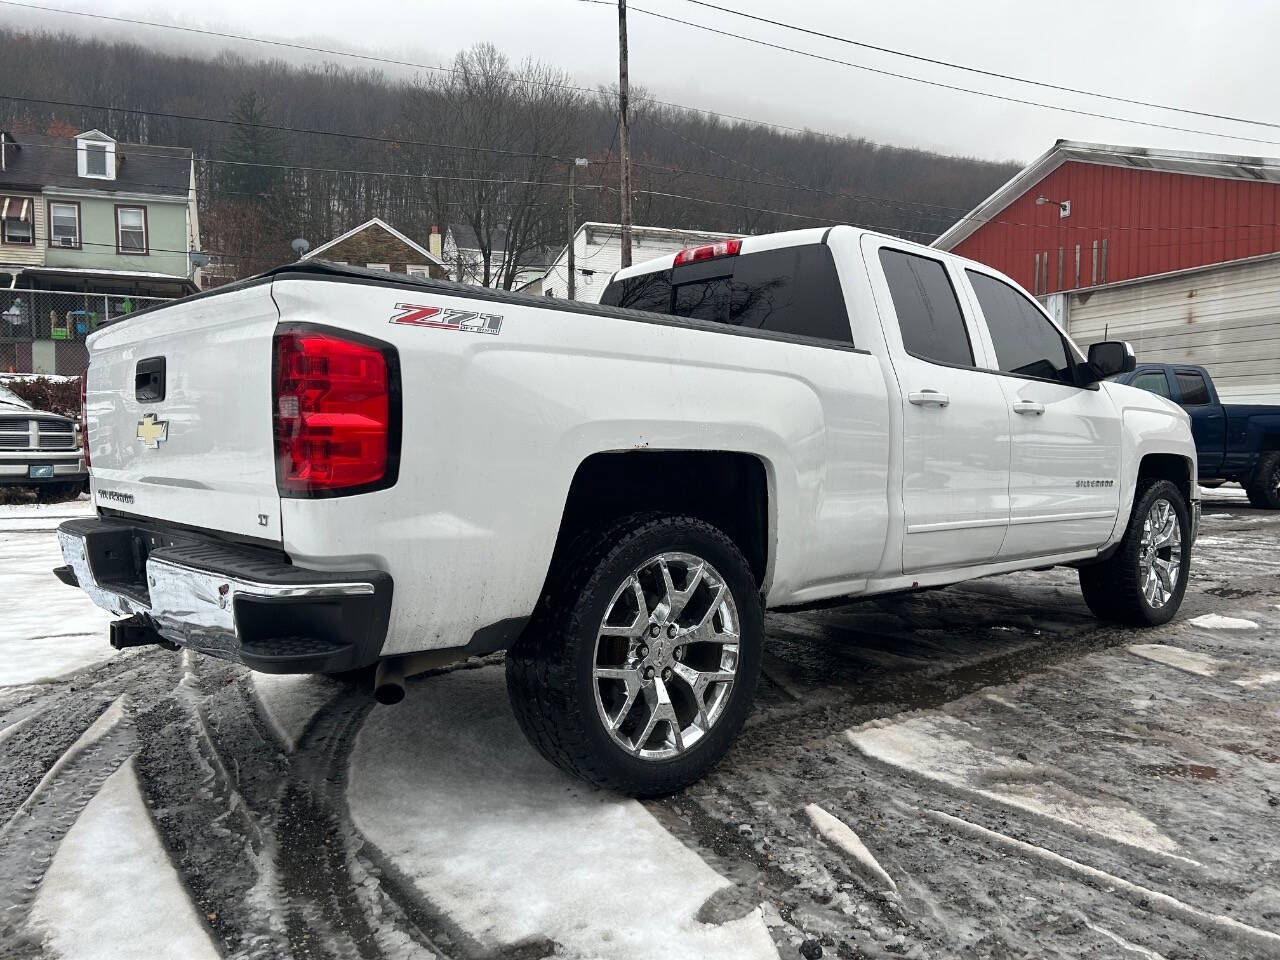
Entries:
{"x":325,"y":468}
{"x":1235,"y":442}
{"x":39,"y":450}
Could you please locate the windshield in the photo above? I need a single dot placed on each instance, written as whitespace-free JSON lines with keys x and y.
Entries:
{"x":10,"y":398}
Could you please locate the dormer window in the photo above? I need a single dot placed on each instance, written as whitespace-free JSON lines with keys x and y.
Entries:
{"x":95,"y":159}
{"x":95,"y":156}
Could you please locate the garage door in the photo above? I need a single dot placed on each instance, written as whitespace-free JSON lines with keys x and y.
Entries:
{"x":1226,"y":318}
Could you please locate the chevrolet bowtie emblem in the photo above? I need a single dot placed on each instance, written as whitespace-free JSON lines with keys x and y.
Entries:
{"x":152,"y":431}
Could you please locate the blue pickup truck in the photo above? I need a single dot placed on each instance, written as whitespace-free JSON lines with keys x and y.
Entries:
{"x":1234,"y":441}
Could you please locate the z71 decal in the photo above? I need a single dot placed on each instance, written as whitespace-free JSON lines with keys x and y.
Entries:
{"x":447,"y":318}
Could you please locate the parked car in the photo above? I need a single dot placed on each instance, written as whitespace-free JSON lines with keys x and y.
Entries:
{"x":40,"y":450}
{"x":1237,"y":442}
{"x":406,"y":472}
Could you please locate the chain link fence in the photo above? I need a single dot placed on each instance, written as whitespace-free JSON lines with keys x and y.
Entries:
{"x":43,"y":331}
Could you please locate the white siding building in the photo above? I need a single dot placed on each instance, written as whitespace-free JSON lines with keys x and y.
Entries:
{"x":1224,"y":317}
{"x":597,"y":251}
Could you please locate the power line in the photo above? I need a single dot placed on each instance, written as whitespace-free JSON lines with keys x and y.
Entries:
{"x":680,"y":107}
{"x":903,"y":205}
{"x":931,"y":83}
{"x":281,"y":127}
{"x":980,"y":71}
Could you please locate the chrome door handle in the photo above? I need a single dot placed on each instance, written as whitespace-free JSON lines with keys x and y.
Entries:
{"x":924,"y":398}
{"x":1028,"y":406}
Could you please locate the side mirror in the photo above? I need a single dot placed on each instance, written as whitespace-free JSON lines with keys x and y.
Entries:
{"x":1111,"y":357}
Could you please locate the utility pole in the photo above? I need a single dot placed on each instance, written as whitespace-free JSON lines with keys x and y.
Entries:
{"x":623,"y":141}
{"x":573,"y":225}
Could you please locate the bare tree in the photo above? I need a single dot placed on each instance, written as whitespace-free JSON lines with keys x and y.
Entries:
{"x":512,"y":133}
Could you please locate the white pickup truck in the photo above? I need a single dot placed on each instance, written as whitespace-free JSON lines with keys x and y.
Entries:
{"x":326,"y":468}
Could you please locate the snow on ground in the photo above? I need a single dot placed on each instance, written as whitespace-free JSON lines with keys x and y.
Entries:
{"x":290,"y":702}
{"x":513,"y":850}
{"x":111,"y":892}
{"x":1203,"y":665}
{"x":1216,"y":621}
{"x":944,"y":749}
{"x":26,"y":516}
{"x":56,"y":629}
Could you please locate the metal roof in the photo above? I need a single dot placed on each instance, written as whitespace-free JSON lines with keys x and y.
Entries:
{"x":1222,"y":166}
{"x":40,"y":162}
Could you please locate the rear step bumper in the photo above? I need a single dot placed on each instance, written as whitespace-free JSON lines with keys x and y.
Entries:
{"x":238,"y":603}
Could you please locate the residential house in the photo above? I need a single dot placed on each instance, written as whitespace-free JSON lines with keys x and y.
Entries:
{"x":379,"y":246}
{"x":465,"y":258}
{"x":597,"y":252}
{"x":90,"y":229}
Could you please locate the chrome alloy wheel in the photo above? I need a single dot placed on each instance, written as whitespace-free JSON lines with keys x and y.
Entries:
{"x":1160,"y":553}
{"x":666,"y":656}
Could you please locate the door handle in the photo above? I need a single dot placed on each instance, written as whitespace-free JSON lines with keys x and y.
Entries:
{"x":1028,"y":406}
{"x":927,"y":397}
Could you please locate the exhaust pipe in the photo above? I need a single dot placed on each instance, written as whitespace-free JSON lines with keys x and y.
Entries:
{"x":388,"y":679}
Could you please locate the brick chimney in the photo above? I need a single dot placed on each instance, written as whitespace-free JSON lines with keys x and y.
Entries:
{"x":434,"y":244}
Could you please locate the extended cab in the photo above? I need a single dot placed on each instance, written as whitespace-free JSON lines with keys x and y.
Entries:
{"x":325,"y":468}
{"x":1237,"y":442}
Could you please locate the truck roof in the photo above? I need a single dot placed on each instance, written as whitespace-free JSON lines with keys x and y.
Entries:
{"x":787,"y":238}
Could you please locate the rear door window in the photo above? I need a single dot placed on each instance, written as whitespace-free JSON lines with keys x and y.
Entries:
{"x":1191,"y":385}
{"x":1153,"y":381}
{"x":791,"y":290}
{"x":649,"y":291}
{"x":928,"y":311}
{"x":1026,"y":343}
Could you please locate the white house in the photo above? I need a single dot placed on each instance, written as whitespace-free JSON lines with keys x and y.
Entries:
{"x":597,"y":251}
{"x":465,"y":260}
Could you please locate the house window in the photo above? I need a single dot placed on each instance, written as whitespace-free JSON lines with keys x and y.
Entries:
{"x":64,"y":225}
{"x":379,"y":266}
{"x":95,"y":159}
{"x":131,"y":230}
{"x":417,"y":270}
{"x":16,"y":221}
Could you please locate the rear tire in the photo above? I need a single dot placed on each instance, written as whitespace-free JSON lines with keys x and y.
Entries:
{"x":1156,"y":544}
{"x":1264,"y":486}
{"x":655,"y":604}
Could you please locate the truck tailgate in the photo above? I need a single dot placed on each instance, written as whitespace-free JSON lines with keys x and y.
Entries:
{"x":179,"y":414}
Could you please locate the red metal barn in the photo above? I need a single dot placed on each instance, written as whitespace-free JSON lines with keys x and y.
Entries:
{"x":1178,"y":252}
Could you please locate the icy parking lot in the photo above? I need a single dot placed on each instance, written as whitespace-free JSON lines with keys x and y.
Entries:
{"x":975,"y":772}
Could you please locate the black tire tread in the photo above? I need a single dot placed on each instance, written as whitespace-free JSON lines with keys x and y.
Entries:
{"x":1261,"y":488}
{"x":1113,"y":588}
{"x":541,"y":672}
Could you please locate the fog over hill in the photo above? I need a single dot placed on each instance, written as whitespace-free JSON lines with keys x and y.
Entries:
{"x":309,"y":150}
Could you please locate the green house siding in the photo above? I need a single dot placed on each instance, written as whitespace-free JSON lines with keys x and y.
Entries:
{"x":166,"y":237}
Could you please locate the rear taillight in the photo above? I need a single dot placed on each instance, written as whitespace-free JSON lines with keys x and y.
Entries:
{"x":84,"y":417}
{"x":721,"y":248}
{"x":336,"y":413}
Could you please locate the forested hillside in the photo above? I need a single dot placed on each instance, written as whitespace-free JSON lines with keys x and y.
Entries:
{"x":287,"y":152}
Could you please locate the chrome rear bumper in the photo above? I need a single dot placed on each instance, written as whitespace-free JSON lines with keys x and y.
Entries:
{"x":237,"y":603}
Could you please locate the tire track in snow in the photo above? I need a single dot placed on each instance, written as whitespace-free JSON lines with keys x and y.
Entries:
{"x":31,"y":837}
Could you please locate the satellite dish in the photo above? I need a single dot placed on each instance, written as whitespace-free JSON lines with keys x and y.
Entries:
{"x":300,"y":246}
{"x":199,"y":259}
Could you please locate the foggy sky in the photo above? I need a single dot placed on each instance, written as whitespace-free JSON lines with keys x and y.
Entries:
{"x":1217,"y":57}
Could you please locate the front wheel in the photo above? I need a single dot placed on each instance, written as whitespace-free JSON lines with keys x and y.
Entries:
{"x":640,"y":672}
{"x":1143,"y":582}
{"x":1264,"y":487}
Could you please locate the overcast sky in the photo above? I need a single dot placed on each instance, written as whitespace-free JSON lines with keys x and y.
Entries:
{"x":1217,"y":57}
